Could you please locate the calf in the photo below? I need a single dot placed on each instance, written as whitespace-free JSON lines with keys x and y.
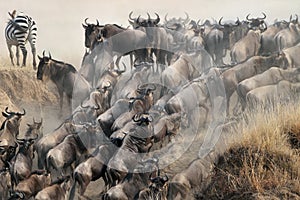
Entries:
{"x":56,"y":191}
{"x":29,"y":187}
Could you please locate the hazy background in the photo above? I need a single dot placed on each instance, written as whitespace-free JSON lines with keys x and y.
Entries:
{"x":59,"y":21}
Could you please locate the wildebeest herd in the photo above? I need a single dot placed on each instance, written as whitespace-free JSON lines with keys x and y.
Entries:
{"x":120,"y":114}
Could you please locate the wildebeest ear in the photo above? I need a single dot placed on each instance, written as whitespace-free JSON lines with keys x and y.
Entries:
{"x":84,"y":26}
{"x":165,"y":178}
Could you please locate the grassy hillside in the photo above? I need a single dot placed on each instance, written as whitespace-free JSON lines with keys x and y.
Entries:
{"x":264,"y":161}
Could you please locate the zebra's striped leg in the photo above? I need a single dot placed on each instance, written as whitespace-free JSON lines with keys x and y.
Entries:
{"x":11,"y":55}
{"x":18,"y":55}
{"x":33,"y":50}
{"x":24,"y":51}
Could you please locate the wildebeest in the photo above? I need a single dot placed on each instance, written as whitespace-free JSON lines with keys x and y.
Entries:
{"x":5,"y":183}
{"x":268,"y":45}
{"x":257,"y":23}
{"x":52,"y":139}
{"x":29,"y":187}
{"x":126,"y":86}
{"x":186,"y":68}
{"x":9,"y":131}
{"x":66,"y":155}
{"x":195,"y":175}
{"x":198,"y":93}
{"x":269,"y":77}
{"x":22,"y":163}
{"x":135,"y":181}
{"x":91,"y":34}
{"x":246,"y":47}
{"x":167,"y":125}
{"x":266,"y":95}
{"x":34,"y":130}
{"x":140,"y":104}
{"x":57,"y":190}
{"x":253,"y":66}
{"x":157,"y":190}
{"x":291,"y":56}
{"x":287,"y":37}
{"x":91,"y":169}
{"x":137,"y":141}
{"x":66,"y":79}
{"x":158,"y":39}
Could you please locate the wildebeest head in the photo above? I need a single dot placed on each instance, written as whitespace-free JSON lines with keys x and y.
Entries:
{"x":92,"y":32}
{"x":135,"y":22}
{"x":294,"y":21}
{"x":34,"y":129}
{"x":13,"y":119}
{"x":257,"y":23}
{"x":180,"y":20}
{"x":142,"y":119}
{"x":26,"y":144}
{"x":43,"y":71}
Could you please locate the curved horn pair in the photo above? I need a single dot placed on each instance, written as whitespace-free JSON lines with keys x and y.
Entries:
{"x":264,"y":17}
{"x":85,"y":21}
{"x":157,"y":18}
{"x":148,"y":86}
{"x":9,"y":112}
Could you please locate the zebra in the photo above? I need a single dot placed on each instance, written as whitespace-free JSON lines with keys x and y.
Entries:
{"x":20,"y":29}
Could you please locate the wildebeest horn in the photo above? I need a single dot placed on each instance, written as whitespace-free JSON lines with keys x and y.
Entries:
{"x":130,"y":15}
{"x":166,"y":178}
{"x":187,"y":19}
{"x":121,"y":71}
{"x":157,"y":18}
{"x":247,"y":17}
{"x":237,"y":22}
{"x":97,"y":22}
{"x":8,"y":112}
{"x":199,"y":20}
{"x":44,"y":53}
{"x":220,"y":21}
{"x":49,"y":55}
{"x":85,"y":21}
{"x":136,"y":118}
{"x":296,"y":18}
{"x":81,"y":104}
{"x":148,"y":16}
{"x":264,"y":16}
{"x":166,"y":17}
{"x":138,"y":19}
{"x":147,"y":86}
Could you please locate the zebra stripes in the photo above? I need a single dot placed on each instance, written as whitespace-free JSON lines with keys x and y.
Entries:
{"x":19,"y":30}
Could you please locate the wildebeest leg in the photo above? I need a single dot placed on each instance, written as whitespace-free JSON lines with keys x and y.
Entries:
{"x":118,"y":61}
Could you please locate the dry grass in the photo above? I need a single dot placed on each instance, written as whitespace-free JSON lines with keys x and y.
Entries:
{"x":264,"y":162}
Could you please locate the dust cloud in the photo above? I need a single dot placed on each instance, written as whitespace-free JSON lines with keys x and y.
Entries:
{"x":59,"y":22}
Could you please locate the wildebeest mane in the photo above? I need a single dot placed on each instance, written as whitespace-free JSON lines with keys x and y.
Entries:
{"x":70,"y":67}
{"x":120,"y":27}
